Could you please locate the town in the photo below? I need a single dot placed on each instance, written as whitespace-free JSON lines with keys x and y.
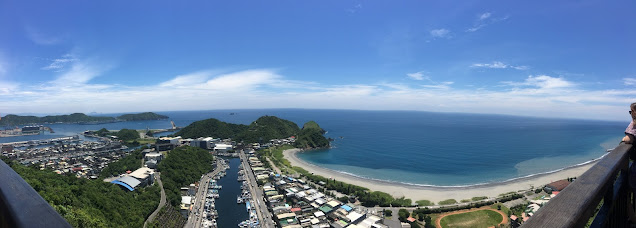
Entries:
{"x":271,"y":197}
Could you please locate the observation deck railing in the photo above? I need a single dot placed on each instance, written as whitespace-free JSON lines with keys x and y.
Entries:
{"x":603,"y":191}
{"x":22,"y":206}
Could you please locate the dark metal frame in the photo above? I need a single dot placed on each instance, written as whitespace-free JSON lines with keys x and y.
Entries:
{"x":22,"y":206}
{"x":576,"y":204}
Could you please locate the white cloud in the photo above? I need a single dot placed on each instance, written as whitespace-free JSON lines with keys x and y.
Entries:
{"x":484,"y":20}
{"x":497,"y":65}
{"x":79,"y":73}
{"x":540,"y":95}
{"x":543,"y":82}
{"x":417,"y":76}
{"x":484,"y":16}
{"x":440,"y":33}
{"x":59,"y":63}
{"x":187,"y":80}
{"x":629,"y":81}
{"x":243,"y":80}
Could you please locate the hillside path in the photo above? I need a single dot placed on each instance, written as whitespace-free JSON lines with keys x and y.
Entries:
{"x":162,"y":202}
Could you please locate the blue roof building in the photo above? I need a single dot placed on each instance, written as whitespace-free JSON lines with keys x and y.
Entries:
{"x":127,"y":182}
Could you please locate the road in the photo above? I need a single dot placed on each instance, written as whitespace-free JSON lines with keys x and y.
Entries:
{"x":264,"y":217}
{"x":195,"y":219}
{"x":162,"y":201}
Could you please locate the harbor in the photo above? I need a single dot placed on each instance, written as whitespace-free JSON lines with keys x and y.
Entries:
{"x":230,"y":212}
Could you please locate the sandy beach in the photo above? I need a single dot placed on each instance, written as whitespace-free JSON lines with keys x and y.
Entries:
{"x":436,"y":194}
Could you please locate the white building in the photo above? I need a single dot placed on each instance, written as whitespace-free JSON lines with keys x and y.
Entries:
{"x":222,"y":147}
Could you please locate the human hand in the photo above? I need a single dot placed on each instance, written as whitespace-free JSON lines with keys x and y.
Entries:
{"x":627,"y":139}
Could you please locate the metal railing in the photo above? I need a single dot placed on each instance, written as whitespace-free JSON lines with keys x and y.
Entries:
{"x":607,"y":180}
{"x":22,"y":206}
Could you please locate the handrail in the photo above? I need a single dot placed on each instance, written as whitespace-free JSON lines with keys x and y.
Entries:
{"x":576,"y":204}
{"x":22,"y":206}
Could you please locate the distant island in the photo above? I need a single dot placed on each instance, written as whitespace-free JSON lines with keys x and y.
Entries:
{"x":81,"y":118}
{"x":262,"y":130}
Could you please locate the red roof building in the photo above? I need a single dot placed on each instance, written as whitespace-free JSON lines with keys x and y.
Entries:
{"x":558,"y":185}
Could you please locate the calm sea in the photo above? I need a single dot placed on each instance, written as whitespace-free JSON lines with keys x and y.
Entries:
{"x":423,"y":148}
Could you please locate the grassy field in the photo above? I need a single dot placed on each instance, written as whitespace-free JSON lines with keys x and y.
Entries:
{"x":482,"y":218}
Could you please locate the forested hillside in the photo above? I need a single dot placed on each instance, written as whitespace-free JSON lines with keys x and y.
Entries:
{"x":142,"y":116}
{"x":261,"y":130}
{"x":91,"y":203}
{"x":72,"y":118}
{"x":182,"y":167}
{"x":311,"y":136}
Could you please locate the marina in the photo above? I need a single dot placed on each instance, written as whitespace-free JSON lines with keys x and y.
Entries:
{"x":230,"y":213}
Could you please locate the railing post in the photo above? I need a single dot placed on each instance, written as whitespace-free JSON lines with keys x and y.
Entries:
{"x":576,"y":204}
{"x":22,"y":206}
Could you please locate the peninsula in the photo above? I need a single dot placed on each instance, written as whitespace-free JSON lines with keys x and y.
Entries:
{"x":12,"y":120}
{"x":264,"y":129}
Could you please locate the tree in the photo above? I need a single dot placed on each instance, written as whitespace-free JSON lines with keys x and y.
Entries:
{"x":388,"y":213}
{"x":428,"y":222}
{"x":403,"y":214}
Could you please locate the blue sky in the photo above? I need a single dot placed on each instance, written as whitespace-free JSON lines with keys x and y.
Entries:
{"x":569,"y":59}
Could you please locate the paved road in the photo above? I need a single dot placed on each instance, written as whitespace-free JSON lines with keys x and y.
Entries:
{"x":264,"y":217}
{"x":195,"y":219}
{"x":162,"y":202}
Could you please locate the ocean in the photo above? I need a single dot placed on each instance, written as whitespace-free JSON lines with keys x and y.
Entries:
{"x":421,"y":148}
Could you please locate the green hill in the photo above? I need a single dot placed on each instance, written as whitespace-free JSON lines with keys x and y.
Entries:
{"x":263,"y":129}
{"x":142,"y":116}
{"x":311,"y":136}
{"x":12,"y":120}
{"x":211,"y":127}
{"x":72,"y":118}
{"x":268,"y":127}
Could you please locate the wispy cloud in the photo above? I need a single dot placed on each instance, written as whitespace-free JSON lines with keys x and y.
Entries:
{"x":80,"y":72}
{"x":484,"y":20}
{"x":355,"y":8}
{"x":498,"y":65}
{"x":417,"y":76}
{"x":188,"y":80}
{"x":484,"y":16}
{"x":542,"y":82}
{"x":629,"y":81}
{"x":440,"y":33}
{"x":540,"y":95}
{"x":59,"y":63}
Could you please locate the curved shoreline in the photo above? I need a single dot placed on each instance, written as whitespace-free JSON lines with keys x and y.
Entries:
{"x":439,"y":193}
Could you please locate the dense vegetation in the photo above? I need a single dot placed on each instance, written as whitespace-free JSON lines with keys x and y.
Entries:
{"x":311,"y":136}
{"x":262,"y":130}
{"x":130,"y":162}
{"x":211,"y":128}
{"x":142,"y":116}
{"x":91,"y":203}
{"x":268,"y":127}
{"x":13,"y":120}
{"x":182,"y":167}
{"x":127,"y":134}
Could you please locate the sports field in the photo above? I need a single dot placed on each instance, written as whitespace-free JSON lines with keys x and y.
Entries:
{"x":477,"y":218}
